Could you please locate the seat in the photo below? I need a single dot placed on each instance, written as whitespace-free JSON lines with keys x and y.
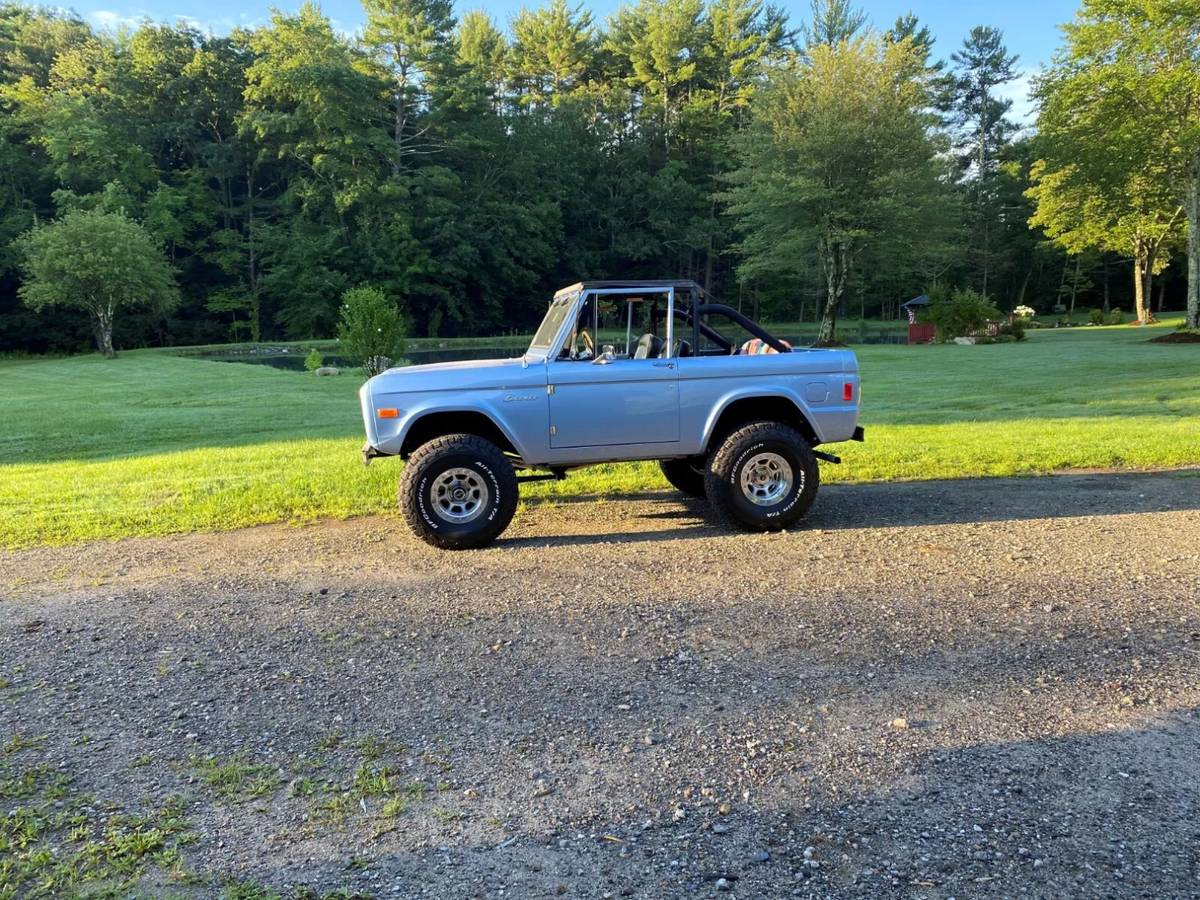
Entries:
{"x":649,"y":347}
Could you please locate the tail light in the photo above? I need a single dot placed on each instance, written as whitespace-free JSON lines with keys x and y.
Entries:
{"x":848,"y":391}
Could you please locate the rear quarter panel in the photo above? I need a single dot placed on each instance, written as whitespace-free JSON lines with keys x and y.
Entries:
{"x":812,"y":379}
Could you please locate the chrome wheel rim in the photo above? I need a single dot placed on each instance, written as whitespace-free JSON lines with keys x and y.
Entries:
{"x":459,"y":495}
{"x":766,"y":479}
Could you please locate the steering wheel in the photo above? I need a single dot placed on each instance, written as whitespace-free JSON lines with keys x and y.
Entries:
{"x":588,"y":344}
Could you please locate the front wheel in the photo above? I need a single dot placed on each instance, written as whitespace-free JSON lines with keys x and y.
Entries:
{"x":763,"y":477}
{"x":458,"y":492}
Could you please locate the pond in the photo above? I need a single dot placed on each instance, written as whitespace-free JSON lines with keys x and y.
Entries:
{"x":293,"y":360}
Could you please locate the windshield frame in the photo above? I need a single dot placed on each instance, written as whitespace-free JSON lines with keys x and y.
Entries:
{"x":552,"y":340}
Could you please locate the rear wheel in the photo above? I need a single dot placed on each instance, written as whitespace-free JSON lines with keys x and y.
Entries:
{"x":686,"y":475}
{"x":458,"y":492}
{"x":763,"y":477}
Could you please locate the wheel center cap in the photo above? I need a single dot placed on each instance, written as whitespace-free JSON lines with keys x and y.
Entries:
{"x":459,"y":494}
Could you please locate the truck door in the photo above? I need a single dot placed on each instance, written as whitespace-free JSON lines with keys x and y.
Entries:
{"x":627,"y":401}
{"x":631,"y":396}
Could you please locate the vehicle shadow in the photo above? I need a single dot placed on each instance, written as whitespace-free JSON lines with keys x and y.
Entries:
{"x":910,"y":504}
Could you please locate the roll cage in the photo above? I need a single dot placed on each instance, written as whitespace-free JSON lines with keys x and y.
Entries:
{"x":687,"y":305}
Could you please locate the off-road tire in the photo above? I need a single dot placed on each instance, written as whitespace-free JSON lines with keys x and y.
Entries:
{"x":438,"y":457}
{"x":686,"y":475}
{"x":723,"y":477}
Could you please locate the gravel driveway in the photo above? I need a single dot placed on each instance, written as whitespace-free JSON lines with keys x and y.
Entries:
{"x":955,"y":689}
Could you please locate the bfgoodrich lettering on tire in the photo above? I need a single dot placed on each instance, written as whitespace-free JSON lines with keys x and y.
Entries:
{"x":763,"y":477}
{"x":458,"y":492}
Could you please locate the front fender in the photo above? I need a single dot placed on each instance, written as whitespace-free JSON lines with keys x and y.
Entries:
{"x":390,"y":434}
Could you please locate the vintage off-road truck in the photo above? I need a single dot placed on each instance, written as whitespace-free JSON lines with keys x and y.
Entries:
{"x":618,"y":370}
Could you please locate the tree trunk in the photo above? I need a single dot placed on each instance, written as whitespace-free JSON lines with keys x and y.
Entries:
{"x":103,"y":328}
{"x":1024,"y":286}
{"x":1192,"y":206}
{"x":1148,"y":290}
{"x":400,"y":122}
{"x":97,"y":332}
{"x":835,"y":258}
{"x":986,"y":256}
{"x":1062,"y":285}
{"x":1075,"y":285}
{"x":1143,"y":266}
{"x":1138,"y":286}
{"x":252,"y":261}
{"x":708,"y":256}
{"x":1107,"y":302}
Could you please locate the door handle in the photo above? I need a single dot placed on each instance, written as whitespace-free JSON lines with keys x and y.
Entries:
{"x":664,"y":365}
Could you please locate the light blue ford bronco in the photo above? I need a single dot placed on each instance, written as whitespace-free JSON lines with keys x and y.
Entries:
{"x":618,"y":370}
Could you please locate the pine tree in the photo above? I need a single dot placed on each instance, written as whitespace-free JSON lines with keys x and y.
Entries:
{"x":979,"y":117}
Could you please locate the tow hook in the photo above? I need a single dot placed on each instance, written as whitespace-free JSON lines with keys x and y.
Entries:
{"x":828,"y":457}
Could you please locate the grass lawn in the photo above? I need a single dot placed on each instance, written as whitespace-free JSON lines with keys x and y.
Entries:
{"x":152,"y":443}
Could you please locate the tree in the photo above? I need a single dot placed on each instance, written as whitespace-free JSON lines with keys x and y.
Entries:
{"x":411,"y":38}
{"x":837,"y":162}
{"x":1088,"y":204}
{"x":310,"y":101}
{"x":1119,"y":140}
{"x":552,"y":49}
{"x":981,"y":127}
{"x":483,"y":49}
{"x":832,"y":22}
{"x":1125,"y":90}
{"x":371,"y":330}
{"x":99,"y":262}
{"x":661,"y":40}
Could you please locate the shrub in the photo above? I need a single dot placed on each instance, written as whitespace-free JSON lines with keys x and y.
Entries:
{"x":1114,"y":317}
{"x":314,"y":360}
{"x":1014,"y":330}
{"x":1024,"y":312}
{"x":962,"y":313}
{"x":372,"y":330}
{"x":1095,"y":317}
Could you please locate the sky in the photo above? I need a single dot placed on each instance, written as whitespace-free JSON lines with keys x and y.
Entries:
{"x":1030,"y":26}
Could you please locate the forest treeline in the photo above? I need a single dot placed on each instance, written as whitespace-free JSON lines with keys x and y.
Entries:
{"x":467,"y":167}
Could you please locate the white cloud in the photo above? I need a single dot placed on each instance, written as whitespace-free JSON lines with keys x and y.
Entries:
{"x":109,"y":20}
{"x":112,"y":21}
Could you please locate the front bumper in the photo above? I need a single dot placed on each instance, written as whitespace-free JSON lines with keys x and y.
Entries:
{"x":369,"y":453}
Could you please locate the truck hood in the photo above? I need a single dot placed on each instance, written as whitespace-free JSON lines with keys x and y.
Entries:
{"x":469,"y":374}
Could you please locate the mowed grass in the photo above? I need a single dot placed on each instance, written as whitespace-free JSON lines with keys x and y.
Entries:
{"x":151,"y":444}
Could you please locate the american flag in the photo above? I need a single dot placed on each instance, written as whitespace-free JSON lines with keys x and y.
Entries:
{"x":912,"y":315}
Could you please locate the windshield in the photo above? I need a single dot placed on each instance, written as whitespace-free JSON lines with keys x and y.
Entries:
{"x":555,"y":316}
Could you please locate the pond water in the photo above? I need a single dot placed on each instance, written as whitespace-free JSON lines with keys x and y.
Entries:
{"x":293,"y":360}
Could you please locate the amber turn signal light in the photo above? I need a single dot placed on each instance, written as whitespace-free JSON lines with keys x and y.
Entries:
{"x":388,"y":413}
